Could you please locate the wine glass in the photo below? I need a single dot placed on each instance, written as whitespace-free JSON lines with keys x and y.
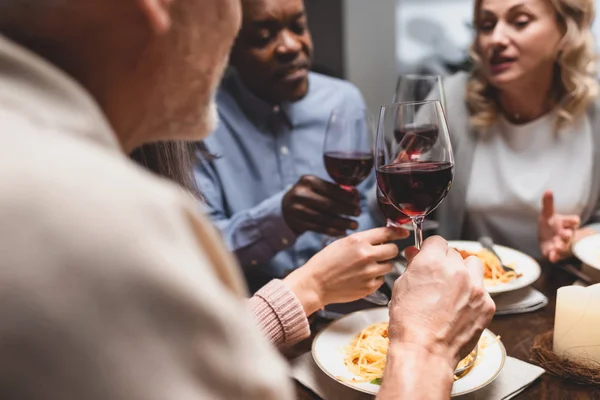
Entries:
{"x":414,"y":163}
{"x":348,"y":149}
{"x":420,"y":88}
{"x":348,"y":158}
{"x":393,"y":216}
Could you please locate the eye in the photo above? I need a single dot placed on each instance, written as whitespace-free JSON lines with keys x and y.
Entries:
{"x":486,"y":26}
{"x":262,"y":37}
{"x":522,"y":22}
{"x":299,"y":26}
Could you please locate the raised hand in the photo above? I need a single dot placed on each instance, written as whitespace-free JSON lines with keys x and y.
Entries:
{"x":556,"y":232}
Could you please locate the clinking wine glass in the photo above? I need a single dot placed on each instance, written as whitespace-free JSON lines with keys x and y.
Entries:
{"x":348,"y":148}
{"x":393,"y":216}
{"x":348,"y":158}
{"x":420,"y":88}
{"x":415,"y":169}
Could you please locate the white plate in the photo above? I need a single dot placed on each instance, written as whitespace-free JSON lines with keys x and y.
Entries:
{"x":523,"y":264}
{"x":328,"y":353}
{"x":588,"y":251}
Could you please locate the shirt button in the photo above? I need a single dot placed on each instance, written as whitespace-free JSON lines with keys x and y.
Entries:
{"x":284,"y":241}
{"x":284,"y":150}
{"x":276,"y":109}
{"x":254,"y":262}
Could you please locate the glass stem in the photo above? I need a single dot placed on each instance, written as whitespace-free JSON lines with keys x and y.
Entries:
{"x":418,"y":225}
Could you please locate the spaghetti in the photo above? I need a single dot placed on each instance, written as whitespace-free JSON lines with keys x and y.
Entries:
{"x":493,"y":273}
{"x":366,"y":355}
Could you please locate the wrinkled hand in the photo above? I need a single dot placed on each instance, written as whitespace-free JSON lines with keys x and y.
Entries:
{"x":315,"y":205}
{"x":556,"y":232}
{"x":440,"y":303}
{"x":349,"y":268}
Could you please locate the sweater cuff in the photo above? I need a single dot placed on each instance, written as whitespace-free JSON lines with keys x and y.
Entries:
{"x":279,"y":314}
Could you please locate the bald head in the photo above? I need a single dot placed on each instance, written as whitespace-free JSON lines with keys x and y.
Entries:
{"x":153,"y":66}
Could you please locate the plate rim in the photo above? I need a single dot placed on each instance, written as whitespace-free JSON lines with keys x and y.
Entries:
{"x":312,"y":353}
{"x":578,"y":253}
{"x":491,"y":290}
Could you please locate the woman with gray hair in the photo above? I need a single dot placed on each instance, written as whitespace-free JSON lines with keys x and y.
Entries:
{"x":526,"y":129}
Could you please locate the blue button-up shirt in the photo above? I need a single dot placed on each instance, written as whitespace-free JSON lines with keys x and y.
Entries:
{"x":262,"y":152}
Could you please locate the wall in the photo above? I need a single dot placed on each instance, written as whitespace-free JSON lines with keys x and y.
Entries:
{"x":325,"y":19}
{"x":370,"y":48}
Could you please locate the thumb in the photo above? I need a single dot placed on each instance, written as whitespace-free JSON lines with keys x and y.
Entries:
{"x":547,"y":204}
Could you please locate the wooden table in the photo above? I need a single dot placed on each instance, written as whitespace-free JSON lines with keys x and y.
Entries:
{"x":517,"y":332}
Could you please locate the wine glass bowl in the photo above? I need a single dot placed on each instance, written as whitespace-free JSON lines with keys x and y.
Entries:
{"x":414,"y":87}
{"x":394,"y":217}
{"x":415,"y":169}
{"x":348,"y":168}
{"x":348,"y":148}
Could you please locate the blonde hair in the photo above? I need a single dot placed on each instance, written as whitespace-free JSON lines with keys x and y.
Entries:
{"x":575,"y":85}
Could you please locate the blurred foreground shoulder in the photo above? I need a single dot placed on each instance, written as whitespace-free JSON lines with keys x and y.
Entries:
{"x":112,"y":288}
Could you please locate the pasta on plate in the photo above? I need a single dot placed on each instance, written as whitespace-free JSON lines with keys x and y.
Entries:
{"x":493,"y":273}
{"x":366,"y":355}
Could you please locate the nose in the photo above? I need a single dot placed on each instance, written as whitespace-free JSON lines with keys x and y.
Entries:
{"x":499,"y":36}
{"x":288,"y":44}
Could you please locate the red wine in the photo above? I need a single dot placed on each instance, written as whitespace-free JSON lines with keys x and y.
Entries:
{"x":348,"y":168}
{"x":417,"y":139}
{"x":417,"y":188}
{"x":391,"y":212}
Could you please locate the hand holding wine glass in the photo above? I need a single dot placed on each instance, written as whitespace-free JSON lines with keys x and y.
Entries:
{"x":348,"y":149}
{"x":315,"y":205}
{"x":415,"y":178}
{"x":348,"y":158}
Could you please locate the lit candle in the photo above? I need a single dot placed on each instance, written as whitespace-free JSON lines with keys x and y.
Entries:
{"x":577,"y":323}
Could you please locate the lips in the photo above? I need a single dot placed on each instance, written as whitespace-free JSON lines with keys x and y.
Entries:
{"x":499,"y":63}
{"x":292,"y":72}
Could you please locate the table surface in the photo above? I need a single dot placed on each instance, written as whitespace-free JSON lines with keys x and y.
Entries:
{"x":517,"y":333}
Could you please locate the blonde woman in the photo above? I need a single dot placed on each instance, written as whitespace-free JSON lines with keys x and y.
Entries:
{"x":526,"y":128}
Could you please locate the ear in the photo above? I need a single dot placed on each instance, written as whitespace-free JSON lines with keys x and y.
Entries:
{"x":157,"y":12}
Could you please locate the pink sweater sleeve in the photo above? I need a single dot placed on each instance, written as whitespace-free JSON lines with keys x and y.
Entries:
{"x":279,"y":314}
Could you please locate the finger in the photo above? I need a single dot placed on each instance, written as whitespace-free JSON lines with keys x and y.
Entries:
{"x":547,"y":204}
{"x":327,"y":205}
{"x":475,"y":270}
{"x":571,"y":222}
{"x":326,"y":221}
{"x":435,"y":244}
{"x":379,"y":280}
{"x":410,"y":253}
{"x":380,"y":269}
{"x":566,"y":234}
{"x":384,"y":252}
{"x":335,"y":192}
{"x":384,"y":234}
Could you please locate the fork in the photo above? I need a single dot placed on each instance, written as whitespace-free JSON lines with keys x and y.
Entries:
{"x":488,"y":244}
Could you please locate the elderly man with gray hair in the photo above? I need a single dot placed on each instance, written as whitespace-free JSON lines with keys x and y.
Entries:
{"x":111,"y":286}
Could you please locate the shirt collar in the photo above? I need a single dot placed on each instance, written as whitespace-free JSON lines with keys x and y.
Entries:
{"x":39,"y":91}
{"x":258,"y":110}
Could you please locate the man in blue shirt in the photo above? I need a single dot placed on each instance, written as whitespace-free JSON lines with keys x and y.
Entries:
{"x":267,"y":190}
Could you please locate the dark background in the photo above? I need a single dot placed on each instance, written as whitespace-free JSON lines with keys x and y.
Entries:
{"x":325,"y":19}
